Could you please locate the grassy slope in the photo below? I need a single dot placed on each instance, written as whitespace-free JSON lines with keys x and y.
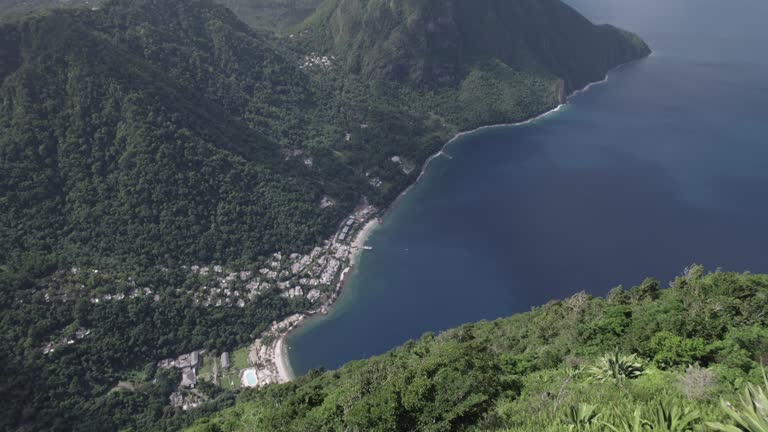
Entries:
{"x":527,"y":371}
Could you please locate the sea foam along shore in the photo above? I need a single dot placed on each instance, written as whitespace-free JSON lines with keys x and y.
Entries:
{"x":281,"y":355}
{"x":281,"y":358}
{"x":504,"y":125}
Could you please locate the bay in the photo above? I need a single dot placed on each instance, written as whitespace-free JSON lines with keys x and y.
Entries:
{"x":664,"y":165}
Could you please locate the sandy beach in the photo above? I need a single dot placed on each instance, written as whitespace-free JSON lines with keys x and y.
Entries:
{"x":284,"y":371}
{"x":361,"y":238}
{"x":280,"y":357}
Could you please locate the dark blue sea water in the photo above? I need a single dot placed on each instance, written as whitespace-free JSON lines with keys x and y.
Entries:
{"x":664,"y":165}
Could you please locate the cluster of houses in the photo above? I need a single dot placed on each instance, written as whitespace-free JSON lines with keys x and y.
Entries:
{"x":133,"y":293}
{"x":186,"y":400}
{"x":318,"y":276}
{"x":311,"y":276}
{"x":229,"y":289}
{"x":316,"y":272}
{"x":264,"y":355}
{"x":374,"y":181}
{"x":186,"y":396}
{"x":317,"y":61}
{"x":315,"y":276}
{"x":405,"y":165}
{"x":70,"y":287}
{"x":65,"y":340}
{"x":188,"y":364}
{"x":295,"y":275}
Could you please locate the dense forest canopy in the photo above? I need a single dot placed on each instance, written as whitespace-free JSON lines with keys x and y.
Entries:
{"x":141,"y":138}
{"x":274,"y":15}
{"x":13,"y":9}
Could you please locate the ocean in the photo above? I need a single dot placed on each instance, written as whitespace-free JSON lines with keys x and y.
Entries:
{"x":662,"y":166}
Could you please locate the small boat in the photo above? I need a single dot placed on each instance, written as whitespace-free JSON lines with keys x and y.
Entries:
{"x":367,"y":247}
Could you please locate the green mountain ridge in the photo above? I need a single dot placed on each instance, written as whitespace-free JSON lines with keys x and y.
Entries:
{"x":437,"y":42}
{"x":275,"y":15}
{"x":144,"y":138}
{"x":13,"y":9}
{"x":126,"y":91}
{"x":554,"y":368}
{"x":272,"y":15}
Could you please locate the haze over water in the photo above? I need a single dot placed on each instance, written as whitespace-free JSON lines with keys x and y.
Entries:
{"x":664,"y":165}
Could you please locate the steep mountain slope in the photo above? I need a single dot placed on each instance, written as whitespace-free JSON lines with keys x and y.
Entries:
{"x":437,"y":41}
{"x":123,"y":153}
{"x":542,"y":370}
{"x":272,"y":14}
{"x":14,"y":8}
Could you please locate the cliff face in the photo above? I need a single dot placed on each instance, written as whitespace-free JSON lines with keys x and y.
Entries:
{"x":431,"y":42}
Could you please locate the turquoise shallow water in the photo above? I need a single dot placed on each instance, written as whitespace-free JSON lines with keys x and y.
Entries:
{"x":664,"y":165}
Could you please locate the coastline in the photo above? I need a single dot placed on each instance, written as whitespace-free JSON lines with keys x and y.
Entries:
{"x":281,"y":357}
{"x":362,"y":236}
{"x":505,"y":125}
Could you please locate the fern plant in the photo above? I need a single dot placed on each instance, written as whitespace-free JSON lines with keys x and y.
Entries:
{"x":617,"y":367}
{"x":752,"y":413}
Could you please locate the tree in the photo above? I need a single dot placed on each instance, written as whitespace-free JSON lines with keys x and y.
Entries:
{"x":648,"y":290}
{"x":669,"y":350}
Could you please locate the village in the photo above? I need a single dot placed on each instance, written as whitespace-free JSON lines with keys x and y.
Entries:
{"x":318,"y":276}
{"x":312,"y":276}
{"x":294,"y":275}
{"x":317,"y":61}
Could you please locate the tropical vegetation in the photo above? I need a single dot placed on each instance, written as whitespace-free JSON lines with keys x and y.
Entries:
{"x":581,"y":364}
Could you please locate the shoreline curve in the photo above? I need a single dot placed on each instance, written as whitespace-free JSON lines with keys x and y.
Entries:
{"x":282,"y":356}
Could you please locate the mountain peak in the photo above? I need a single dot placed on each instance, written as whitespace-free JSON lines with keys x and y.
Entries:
{"x":431,"y":42}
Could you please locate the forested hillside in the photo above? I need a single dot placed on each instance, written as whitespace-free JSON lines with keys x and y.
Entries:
{"x":434,"y":42}
{"x":275,"y":15}
{"x":10,"y":9}
{"x":641,"y":359}
{"x":123,"y":154}
{"x":272,"y":15}
{"x":145,"y":139}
